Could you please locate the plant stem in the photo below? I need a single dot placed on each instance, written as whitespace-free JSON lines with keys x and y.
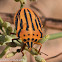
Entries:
{"x":24,"y":58}
{"x":21,"y":5}
{"x":39,"y":59}
{"x":56,"y":35}
{"x":50,"y":37}
{"x":4,"y":51}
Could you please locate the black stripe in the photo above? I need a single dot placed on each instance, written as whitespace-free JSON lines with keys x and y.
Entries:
{"x":31,"y":20}
{"x":19,"y":33}
{"x":16,"y":21}
{"x":21,"y":22}
{"x":26,"y":20}
{"x":38,"y":19}
{"x":38,"y":28}
{"x":36,"y":23}
{"x":31,"y":44}
{"x":39,"y":22}
{"x":28,"y":44}
{"x":19,"y":12}
{"x":41,"y":33}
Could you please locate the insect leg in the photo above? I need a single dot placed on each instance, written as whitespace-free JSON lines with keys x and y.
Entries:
{"x":0,"y":34}
{"x":13,"y":33}
{"x":21,"y":50}
{"x":18,"y":50}
{"x":39,"y":49}
{"x":16,"y":39}
{"x":40,"y":46}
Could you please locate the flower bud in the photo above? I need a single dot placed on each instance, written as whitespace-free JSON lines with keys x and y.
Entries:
{"x":39,"y":59}
{"x":10,"y":54}
{"x":9,"y":30}
{"x":6,"y":24}
{"x":23,"y":1}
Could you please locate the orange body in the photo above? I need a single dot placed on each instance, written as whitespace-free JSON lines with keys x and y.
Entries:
{"x":28,"y":26}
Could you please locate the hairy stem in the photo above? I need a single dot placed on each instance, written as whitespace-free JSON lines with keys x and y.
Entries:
{"x":39,"y":59}
{"x":50,"y":37}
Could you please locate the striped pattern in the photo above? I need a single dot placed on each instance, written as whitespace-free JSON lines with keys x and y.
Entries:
{"x":26,"y":20}
{"x":16,"y":19}
{"x":28,"y":24}
{"x":31,"y":20}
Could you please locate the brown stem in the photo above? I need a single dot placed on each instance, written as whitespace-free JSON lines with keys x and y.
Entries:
{"x":54,"y":56}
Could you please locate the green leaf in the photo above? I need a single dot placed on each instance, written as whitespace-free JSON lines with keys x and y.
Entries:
{"x":1,"y":22}
{"x":2,"y":39}
{"x":9,"y":30}
{"x":0,"y":26}
{"x":6,"y":24}
{"x":5,"y":39}
{"x":14,"y":30}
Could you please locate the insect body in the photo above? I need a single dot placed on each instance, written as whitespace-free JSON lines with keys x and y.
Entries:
{"x":28,"y":26}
